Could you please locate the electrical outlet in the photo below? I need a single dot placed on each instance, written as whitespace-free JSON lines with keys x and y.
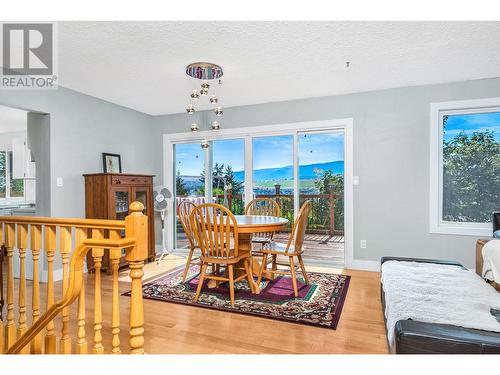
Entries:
{"x":362,"y":244}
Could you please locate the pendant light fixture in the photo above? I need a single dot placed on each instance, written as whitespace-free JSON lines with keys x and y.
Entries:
{"x":205,"y":72}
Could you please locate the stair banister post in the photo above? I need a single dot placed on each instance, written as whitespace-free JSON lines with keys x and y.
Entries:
{"x":2,"y":332}
{"x":136,"y":226}
{"x":10,"y":241}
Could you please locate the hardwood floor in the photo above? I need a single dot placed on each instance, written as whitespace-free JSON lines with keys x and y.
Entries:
{"x":172,"y":328}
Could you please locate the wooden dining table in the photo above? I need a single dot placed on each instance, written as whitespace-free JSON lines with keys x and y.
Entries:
{"x":248,"y":225}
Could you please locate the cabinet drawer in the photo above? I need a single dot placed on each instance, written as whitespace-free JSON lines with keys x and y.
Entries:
{"x":130,"y":180}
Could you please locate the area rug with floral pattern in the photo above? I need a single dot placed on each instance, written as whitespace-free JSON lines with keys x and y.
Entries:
{"x":319,"y":303}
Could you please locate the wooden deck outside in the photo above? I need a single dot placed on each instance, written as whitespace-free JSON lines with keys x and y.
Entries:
{"x":317,"y":247}
{"x":320,"y":247}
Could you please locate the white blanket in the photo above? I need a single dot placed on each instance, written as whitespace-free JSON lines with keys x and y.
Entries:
{"x":435,"y":293}
{"x":491,"y":261}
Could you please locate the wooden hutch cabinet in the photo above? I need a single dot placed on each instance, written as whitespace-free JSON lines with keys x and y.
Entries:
{"x":108,"y":196}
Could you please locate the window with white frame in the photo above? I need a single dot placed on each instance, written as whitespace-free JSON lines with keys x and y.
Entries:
{"x":10,"y":188}
{"x":465,"y":166}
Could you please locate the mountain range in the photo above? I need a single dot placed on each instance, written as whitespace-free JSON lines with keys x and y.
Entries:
{"x":306,"y":172}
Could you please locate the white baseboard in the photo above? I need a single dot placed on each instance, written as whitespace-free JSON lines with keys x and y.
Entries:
{"x":58,"y":275}
{"x":365,"y":265}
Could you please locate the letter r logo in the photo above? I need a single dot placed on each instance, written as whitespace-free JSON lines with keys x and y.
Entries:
{"x":27,"y":49}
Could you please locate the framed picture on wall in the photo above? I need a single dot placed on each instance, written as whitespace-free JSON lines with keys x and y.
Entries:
{"x":112,"y":163}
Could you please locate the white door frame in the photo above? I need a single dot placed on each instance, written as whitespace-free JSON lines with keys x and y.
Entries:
{"x":247,"y":133}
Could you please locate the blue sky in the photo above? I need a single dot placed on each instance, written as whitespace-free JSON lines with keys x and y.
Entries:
{"x":268,"y":152}
{"x":189,"y":158}
{"x":272,"y":152}
{"x":321,"y":148}
{"x":230,"y":151}
{"x":470,"y":123}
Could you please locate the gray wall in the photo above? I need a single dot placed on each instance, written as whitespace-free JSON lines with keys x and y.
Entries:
{"x":77,"y":129}
{"x":81,"y":128}
{"x":391,"y":156}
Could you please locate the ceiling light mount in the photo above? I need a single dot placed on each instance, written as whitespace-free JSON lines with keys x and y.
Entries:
{"x":204,"y":70}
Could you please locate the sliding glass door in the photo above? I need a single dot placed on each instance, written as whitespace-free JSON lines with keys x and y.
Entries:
{"x":321,"y":181}
{"x":289,"y":168}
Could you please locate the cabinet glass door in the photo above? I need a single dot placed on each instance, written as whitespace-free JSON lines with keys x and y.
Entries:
{"x":141,"y":195}
{"x":121,"y":202}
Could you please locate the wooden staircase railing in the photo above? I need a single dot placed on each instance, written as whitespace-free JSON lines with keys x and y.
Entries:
{"x":28,"y":233}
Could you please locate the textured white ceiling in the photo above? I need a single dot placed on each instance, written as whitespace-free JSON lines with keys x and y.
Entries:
{"x":12,"y":120}
{"x":141,"y":64}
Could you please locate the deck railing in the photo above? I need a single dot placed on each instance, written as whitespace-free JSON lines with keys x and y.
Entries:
{"x":326,"y":215}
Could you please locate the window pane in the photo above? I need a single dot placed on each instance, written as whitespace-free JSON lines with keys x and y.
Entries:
{"x":189,"y":181}
{"x":229,"y":170}
{"x":273,"y":171}
{"x":190,"y":161}
{"x":471,"y":166}
{"x":16,"y":185}
{"x":3,"y":170}
{"x":321,"y":180}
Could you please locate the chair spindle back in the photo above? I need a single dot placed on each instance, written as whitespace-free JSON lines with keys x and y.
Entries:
{"x":215,"y":229}
{"x":263,"y":207}
{"x":184,"y":210}
{"x":299,"y":227}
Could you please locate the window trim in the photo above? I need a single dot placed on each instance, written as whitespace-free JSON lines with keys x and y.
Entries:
{"x":437,"y":110}
{"x":345,"y":124}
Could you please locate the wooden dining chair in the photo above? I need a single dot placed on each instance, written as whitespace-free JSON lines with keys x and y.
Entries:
{"x":263,"y":207}
{"x":184,"y":210}
{"x":293,"y":248}
{"x":216,"y":232}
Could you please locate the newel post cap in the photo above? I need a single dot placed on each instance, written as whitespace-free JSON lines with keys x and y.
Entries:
{"x":136,"y":207}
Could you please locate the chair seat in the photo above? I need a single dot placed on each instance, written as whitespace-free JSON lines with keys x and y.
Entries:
{"x":228,"y":259}
{"x":277,"y":248}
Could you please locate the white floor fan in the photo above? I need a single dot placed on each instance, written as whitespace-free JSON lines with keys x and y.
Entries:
{"x":160,"y":196}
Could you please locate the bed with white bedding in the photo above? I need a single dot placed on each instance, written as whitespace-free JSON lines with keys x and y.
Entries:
{"x":438,"y":307}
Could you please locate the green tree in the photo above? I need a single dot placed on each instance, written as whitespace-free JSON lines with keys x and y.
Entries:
{"x":224,"y":174}
{"x":328,"y":182}
{"x":471,"y":177}
{"x":180,"y":185}
{"x":16,"y":188}
{"x":217,"y":175}
{"x":220,"y":174}
{"x":237,"y":186}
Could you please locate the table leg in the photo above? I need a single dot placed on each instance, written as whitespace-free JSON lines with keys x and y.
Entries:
{"x":245,"y":244}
